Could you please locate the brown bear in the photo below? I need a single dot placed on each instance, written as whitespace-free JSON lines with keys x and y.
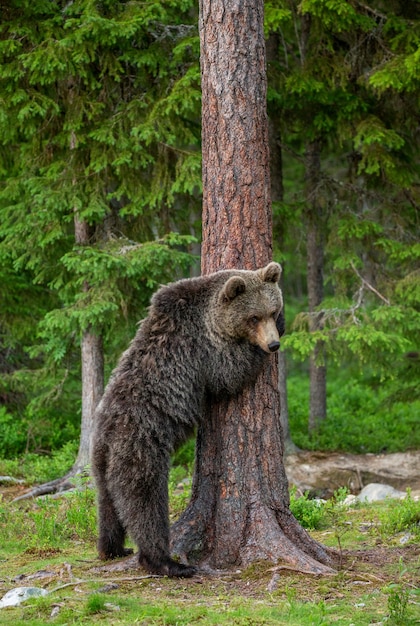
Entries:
{"x":204,"y":338}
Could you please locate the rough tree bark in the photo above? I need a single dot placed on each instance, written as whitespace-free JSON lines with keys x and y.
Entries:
{"x":239,"y":510}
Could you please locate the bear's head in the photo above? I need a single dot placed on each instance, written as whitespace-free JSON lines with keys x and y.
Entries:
{"x":249,"y":305}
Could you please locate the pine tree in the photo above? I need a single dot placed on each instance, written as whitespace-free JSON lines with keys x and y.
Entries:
{"x":239,"y":510}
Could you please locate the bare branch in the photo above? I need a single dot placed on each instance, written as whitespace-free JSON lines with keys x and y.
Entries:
{"x":369,"y":286}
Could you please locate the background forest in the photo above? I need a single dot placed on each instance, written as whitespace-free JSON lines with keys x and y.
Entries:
{"x":100,"y":202}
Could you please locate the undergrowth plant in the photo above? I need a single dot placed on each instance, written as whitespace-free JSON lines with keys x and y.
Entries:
{"x":308,"y":511}
{"x":399,"y":594}
{"x":362,"y":417}
{"x":48,"y":522}
{"x":41,"y":467}
{"x":398,"y":516}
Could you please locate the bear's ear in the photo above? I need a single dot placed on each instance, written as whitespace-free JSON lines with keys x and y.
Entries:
{"x":271,"y":273}
{"x":232,"y":288}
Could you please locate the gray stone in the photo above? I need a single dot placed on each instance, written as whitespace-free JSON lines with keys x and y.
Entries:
{"x":16,"y":596}
{"x":378,"y":491}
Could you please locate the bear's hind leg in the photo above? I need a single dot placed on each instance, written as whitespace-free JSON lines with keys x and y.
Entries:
{"x":147,"y":516}
{"x":111,"y":531}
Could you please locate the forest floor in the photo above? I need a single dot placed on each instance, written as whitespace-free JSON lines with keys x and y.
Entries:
{"x":377,"y":581}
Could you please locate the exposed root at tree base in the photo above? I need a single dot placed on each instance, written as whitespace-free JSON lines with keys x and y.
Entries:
{"x":59,"y":485}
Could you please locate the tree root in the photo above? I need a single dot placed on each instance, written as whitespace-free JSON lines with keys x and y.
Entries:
{"x":59,"y":485}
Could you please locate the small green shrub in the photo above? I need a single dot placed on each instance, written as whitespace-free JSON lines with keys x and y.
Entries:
{"x":398,"y":596}
{"x":309,"y":513}
{"x":54,"y":521}
{"x":399,"y":516}
{"x":13,"y":434}
{"x":80,"y":514}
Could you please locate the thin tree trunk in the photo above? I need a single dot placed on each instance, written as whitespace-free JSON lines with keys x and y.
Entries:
{"x":276,"y":169}
{"x":315,"y":282}
{"x":239,"y":510}
{"x":92,"y":366}
{"x":315,"y":255}
{"x":92,"y":391}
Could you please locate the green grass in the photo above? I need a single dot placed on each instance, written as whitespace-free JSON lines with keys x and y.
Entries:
{"x":53,"y":540}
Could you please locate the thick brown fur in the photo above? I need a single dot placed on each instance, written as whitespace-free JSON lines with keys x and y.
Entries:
{"x":204,"y":338}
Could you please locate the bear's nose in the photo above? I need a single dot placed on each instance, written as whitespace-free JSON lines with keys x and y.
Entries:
{"x":273,"y":346}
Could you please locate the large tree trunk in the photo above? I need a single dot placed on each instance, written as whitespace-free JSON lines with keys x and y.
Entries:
{"x":239,"y":510}
{"x":315,"y":281}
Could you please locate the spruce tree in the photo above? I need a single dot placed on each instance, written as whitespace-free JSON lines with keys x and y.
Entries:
{"x":345,"y":76}
{"x":99,"y":114}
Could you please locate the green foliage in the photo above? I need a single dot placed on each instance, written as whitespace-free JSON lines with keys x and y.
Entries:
{"x":95,"y":604}
{"x":179,"y":489}
{"x":336,"y":15}
{"x":362,"y":416}
{"x":309,"y":512}
{"x":55,"y":523}
{"x":100,"y":120}
{"x":327,"y":83}
{"x":50,"y":523}
{"x":398,"y":597}
{"x":12,"y":434}
{"x":184,"y":456}
{"x":108,"y":269}
{"x":40,"y":468}
{"x":100,"y":113}
{"x":399,"y":516}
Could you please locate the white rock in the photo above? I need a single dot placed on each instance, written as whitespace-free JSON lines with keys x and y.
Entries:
{"x":377,"y":491}
{"x":20,"y":594}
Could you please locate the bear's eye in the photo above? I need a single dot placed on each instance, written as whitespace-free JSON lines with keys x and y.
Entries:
{"x":254,"y":319}
{"x":274,"y":315}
